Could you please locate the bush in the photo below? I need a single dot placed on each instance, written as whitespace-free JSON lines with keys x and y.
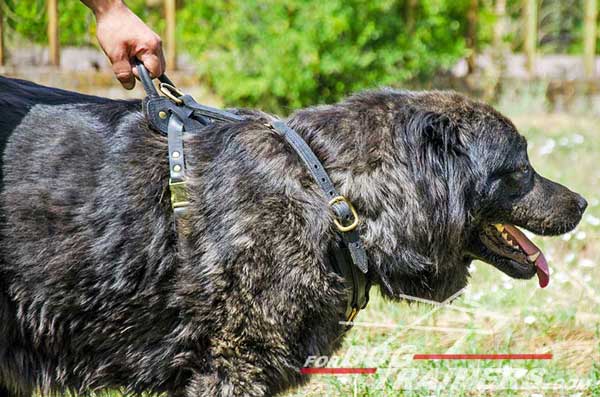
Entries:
{"x":28,"y":18}
{"x":281,"y":55}
{"x":76,"y":22}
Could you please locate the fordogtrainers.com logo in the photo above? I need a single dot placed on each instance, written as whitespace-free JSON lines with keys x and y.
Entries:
{"x":381,"y":369}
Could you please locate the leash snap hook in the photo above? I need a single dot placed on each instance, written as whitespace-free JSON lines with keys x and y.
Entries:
{"x":338,"y":224}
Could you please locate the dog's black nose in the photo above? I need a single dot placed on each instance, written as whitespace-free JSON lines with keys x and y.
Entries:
{"x":581,"y":203}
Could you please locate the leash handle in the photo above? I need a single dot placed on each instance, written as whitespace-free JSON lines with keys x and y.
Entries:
{"x":146,"y":80}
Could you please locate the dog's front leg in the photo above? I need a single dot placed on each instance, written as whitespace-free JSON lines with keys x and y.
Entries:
{"x":230,"y":384}
{"x":232,"y":377}
{"x":246,"y":365}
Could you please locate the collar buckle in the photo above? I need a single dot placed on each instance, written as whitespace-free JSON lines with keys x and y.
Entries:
{"x":352,"y":315}
{"x":179,"y":196}
{"x":342,"y":228}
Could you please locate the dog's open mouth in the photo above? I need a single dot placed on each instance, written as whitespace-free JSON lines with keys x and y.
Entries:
{"x":515,"y":254}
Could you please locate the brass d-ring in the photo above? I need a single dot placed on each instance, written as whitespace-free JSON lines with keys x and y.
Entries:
{"x":171,"y":92}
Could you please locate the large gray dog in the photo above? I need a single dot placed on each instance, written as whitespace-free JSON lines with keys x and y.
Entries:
{"x":96,"y":293}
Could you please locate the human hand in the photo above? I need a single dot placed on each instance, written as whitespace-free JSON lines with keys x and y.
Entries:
{"x":123,"y":37}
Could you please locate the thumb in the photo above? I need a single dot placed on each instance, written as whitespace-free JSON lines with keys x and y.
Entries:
{"x":122,"y":70}
{"x":152,"y":62}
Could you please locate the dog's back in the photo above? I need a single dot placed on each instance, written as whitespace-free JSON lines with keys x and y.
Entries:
{"x":17,"y":97}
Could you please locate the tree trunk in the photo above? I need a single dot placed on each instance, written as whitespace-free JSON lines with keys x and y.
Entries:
{"x":171,"y":41}
{"x":2,"y":55}
{"x":530,"y":19}
{"x":53,"y":43}
{"x":589,"y":41}
{"x":472,"y":35}
{"x":411,"y":8}
{"x":500,"y":25}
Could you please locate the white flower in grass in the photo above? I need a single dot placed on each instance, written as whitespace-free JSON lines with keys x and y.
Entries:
{"x":507,"y":285}
{"x":561,"y":277}
{"x":472,"y":268}
{"x":580,"y":235}
{"x":585,"y":262}
{"x":578,"y":139}
{"x":529,"y":320}
{"x":519,"y":373}
{"x":570,"y":257}
{"x":477,"y":296}
{"x":547,"y":147}
{"x":592,"y":220}
{"x":566,"y":237}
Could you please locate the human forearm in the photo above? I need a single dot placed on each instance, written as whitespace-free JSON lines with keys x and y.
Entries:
{"x":102,"y":6}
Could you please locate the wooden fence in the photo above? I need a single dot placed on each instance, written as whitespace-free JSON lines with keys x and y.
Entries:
{"x":52,"y":13}
{"x":530,"y":24}
{"x":1,"y":35}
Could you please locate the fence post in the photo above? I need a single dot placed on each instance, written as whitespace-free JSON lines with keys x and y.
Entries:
{"x":589,"y":41}
{"x":500,"y":25}
{"x":530,"y":15}
{"x":171,"y":41}
{"x":410,"y":11}
{"x":2,"y":55}
{"x":472,"y":35}
{"x":53,"y":43}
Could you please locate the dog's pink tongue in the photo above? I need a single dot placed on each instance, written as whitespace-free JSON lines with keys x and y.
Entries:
{"x":543,"y":272}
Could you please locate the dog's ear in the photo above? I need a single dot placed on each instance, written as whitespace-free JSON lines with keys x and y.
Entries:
{"x":433,"y":133}
{"x":439,"y":166}
{"x":434,"y":142}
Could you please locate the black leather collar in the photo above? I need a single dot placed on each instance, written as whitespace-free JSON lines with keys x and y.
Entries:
{"x":176,"y":113}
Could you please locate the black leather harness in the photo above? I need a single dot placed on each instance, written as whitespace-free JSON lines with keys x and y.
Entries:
{"x":176,"y":113}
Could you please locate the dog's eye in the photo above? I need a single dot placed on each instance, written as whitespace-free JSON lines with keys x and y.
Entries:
{"x":512,"y":174}
{"x":521,"y":173}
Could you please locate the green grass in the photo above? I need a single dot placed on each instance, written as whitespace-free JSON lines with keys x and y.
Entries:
{"x":497,"y":314}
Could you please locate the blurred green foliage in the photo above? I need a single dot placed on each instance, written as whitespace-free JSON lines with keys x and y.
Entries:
{"x":281,"y":55}
{"x":28,"y":19}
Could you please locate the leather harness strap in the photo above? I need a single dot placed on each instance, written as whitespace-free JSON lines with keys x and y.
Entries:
{"x":176,"y":113}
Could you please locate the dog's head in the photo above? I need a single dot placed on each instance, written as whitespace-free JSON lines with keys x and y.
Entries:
{"x":452,"y":182}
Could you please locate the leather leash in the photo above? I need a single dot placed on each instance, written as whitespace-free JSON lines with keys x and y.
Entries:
{"x":175,"y":113}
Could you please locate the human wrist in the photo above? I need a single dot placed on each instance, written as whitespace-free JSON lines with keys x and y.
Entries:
{"x":104,"y":7}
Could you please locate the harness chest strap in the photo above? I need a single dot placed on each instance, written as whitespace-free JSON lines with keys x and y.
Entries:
{"x":181,"y":113}
{"x":346,"y":221}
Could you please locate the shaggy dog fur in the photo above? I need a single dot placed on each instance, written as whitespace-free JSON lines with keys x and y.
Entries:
{"x":98,"y":291}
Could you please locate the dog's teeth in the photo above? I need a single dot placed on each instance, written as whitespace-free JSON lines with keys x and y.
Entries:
{"x":499,"y":227}
{"x":505,"y":236}
{"x":533,"y":257}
